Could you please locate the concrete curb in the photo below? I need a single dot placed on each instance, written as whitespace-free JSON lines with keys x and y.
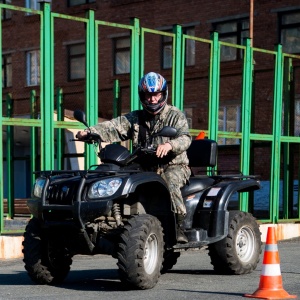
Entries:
{"x":11,"y":246}
{"x":283,"y":231}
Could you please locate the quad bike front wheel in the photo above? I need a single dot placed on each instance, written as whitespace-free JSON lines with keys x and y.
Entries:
{"x":140,"y":252}
{"x":170,"y":260}
{"x":238,"y":253}
{"x":45,"y":261}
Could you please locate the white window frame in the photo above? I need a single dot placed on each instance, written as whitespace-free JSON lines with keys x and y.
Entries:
{"x":33,"y":67}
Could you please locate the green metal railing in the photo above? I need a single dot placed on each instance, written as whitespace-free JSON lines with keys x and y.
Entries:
{"x":47,"y":125}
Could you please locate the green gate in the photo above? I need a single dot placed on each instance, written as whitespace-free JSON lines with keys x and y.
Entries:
{"x":51,"y":156}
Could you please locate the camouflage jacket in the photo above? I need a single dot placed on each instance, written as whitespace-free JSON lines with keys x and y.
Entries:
{"x":128,"y":126}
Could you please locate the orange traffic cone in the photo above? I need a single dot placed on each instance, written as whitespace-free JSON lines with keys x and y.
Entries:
{"x":270,"y":285}
{"x":200,"y":136}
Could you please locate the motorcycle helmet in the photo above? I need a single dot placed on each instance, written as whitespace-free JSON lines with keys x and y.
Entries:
{"x":153,"y":83}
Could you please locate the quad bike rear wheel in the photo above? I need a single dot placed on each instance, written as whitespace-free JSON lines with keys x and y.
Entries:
{"x":45,"y":261}
{"x":238,"y":253}
{"x":140,"y":252}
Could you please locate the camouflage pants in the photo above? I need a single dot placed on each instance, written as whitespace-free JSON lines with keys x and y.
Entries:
{"x":176,"y":177}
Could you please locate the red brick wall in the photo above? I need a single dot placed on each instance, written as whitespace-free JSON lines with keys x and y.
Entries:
{"x":21,"y":33}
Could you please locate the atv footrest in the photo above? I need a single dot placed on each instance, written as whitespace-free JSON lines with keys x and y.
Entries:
{"x":190,"y":245}
{"x":198,"y":238}
{"x":196,"y":235}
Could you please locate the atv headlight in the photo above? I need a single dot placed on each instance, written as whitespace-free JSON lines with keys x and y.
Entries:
{"x":38,"y":187}
{"x":104,"y":188}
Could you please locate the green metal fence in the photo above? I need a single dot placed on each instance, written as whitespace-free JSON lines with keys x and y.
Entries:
{"x":283,"y":70}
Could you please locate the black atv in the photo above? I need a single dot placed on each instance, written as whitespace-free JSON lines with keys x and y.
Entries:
{"x":118,"y":208}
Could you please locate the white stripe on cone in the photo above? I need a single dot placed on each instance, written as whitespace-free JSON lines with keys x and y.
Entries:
{"x":271,"y":270}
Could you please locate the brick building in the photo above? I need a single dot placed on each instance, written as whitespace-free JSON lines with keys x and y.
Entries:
{"x":275,"y":21}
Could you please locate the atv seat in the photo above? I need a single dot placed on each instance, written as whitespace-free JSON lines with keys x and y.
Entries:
{"x":201,"y":153}
{"x":197,"y":184}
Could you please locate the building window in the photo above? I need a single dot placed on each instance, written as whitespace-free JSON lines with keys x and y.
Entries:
{"x":122,"y":55}
{"x":289,"y":24}
{"x":167,"y":49}
{"x":79,"y":2}
{"x":297,"y":115}
{"x":6,"y":71}
{"x":190,"y":47}
{"x":32,"y":67}
{"x":32,"y":4}
{"x":76,"y":59}
{"x":229,"y":120}
{"x":233,"y":32}
{"x":6,"y":13}
{"x":188,"y":111}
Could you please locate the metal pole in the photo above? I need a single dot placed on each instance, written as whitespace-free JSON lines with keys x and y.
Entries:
{"x":214,"y":87}
{"x":91,"y":81}
{"x":10,"y":159}
{"x":177,"y":70}
{"x":47,"y":102}
{"x":288,"y":160}
{"x":276,"y":143}
{"x":117,"y":99}
{"x":59,"y":131}
{"x":34,"y":138}
{"x":134,"y":64}
{"x":1,"y":139}
{"x":246,"y":117}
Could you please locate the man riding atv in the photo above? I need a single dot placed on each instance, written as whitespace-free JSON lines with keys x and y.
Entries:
{"x":140,"y":125}
{"x":129,"y":206}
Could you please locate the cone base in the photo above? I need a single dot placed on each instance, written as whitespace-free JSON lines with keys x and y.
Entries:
{"x":270,"y":294}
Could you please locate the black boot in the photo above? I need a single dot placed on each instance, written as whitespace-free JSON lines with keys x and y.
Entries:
{"x":181,"y":237}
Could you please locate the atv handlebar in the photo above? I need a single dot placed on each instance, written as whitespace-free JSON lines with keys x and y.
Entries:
{"x":90,"y":138}
{"x":149,"y":150}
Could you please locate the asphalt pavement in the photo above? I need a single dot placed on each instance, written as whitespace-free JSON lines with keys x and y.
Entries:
{"x":96,"y":277}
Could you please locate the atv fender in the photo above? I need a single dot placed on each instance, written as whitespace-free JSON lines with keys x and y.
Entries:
{"x":212,"y":213}
{"x":148,"y":193}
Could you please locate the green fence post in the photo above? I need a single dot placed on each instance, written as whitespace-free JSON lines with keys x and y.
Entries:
{"x":177,"y":68}
{"x":246,"y":118}
{"x":182,"y":74}
{"x":1,"y":139}
{"x":117,"y":100}
{"x":34,"y":138}
{"x":60,"y":141}
{"x":288,"y":157}
{"x":134,"y":64}
{"x":47,"y":86}
{"x":142,"y":52}
{"x":10,"y":159}
{"x":214,"y":87}
{"x":276,"y":142}
{"x":91,"y":81}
